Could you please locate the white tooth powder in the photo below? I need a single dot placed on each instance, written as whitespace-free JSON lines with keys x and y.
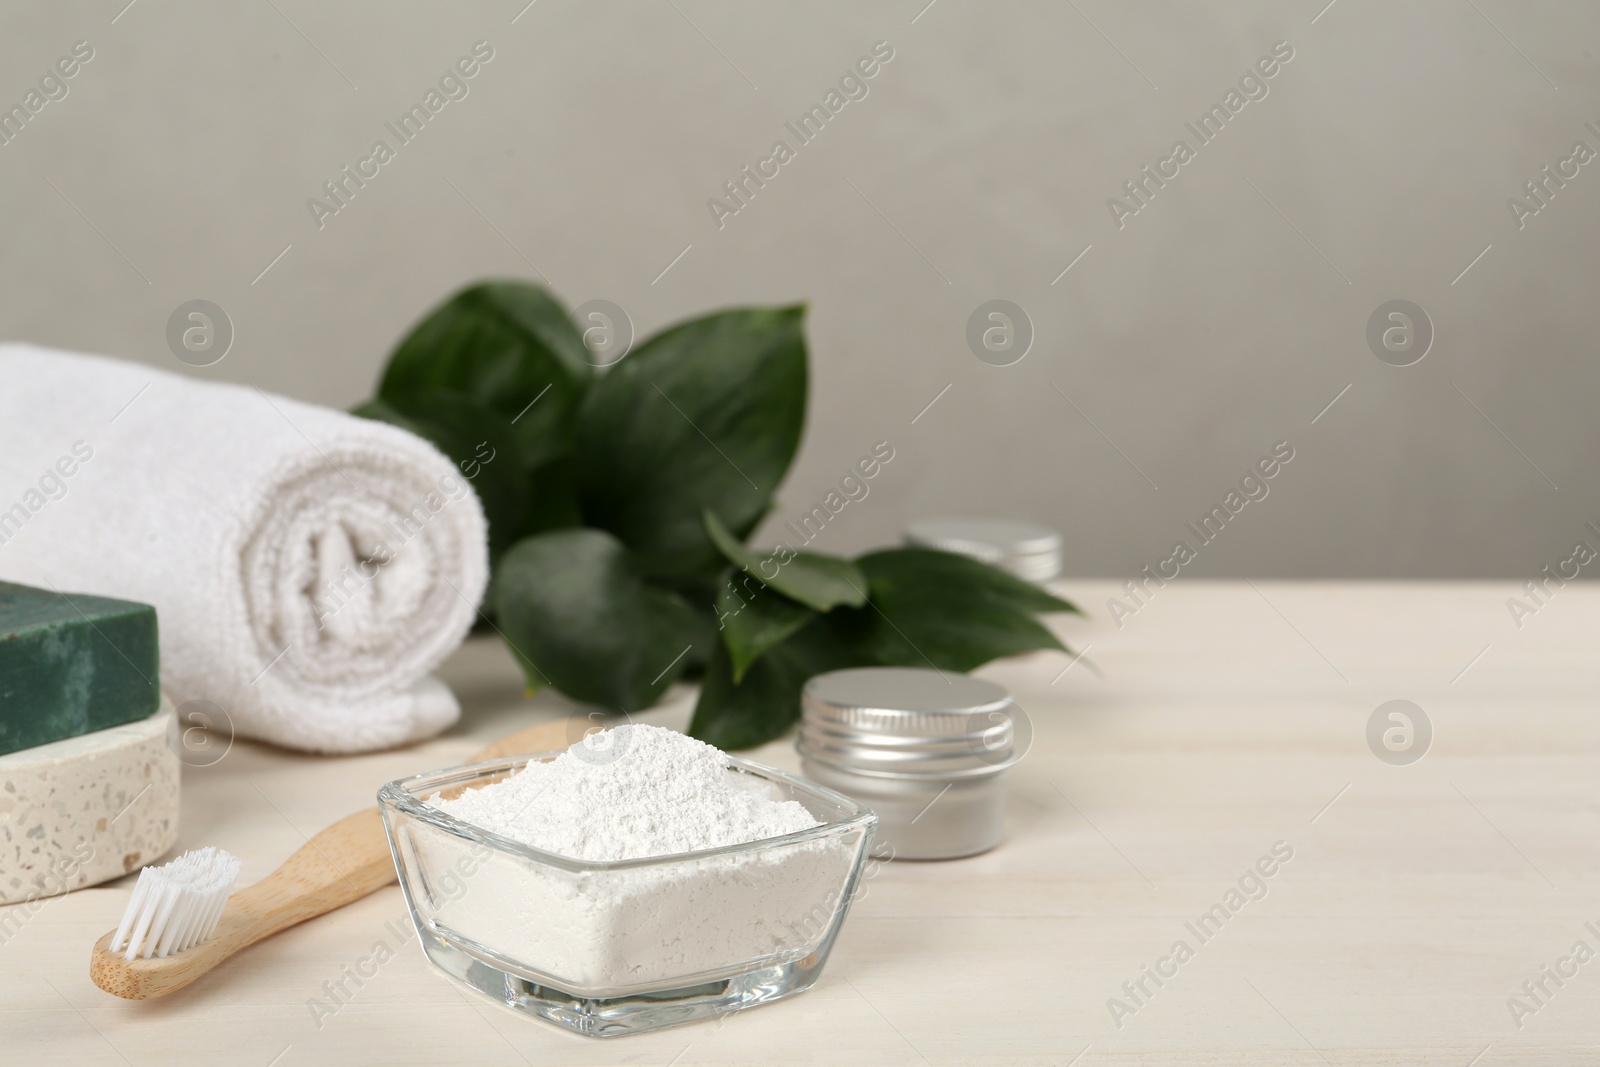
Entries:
{"x":625,"y":794}
{"x":629,"y":793}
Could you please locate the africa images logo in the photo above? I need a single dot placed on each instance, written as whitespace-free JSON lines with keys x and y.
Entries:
{"x":1252,"y":85}
{"x":741,"y":189}
{"x":453,"y":85}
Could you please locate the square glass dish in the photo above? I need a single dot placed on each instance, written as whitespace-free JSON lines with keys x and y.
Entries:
{"x":612,"y":948}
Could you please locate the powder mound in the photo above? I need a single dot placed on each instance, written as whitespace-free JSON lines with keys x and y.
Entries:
{"x":628,"y":793}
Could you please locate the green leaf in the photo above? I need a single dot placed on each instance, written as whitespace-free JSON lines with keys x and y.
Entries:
{"x":507,"y":345}
{"x":817,"y":581}
{"x":705,"y":642}
{"x":705,"y":415}
{"x":552,"y":498}
{"x":740,"y":715}
{"x":754,"y":619}
{"x":483,"y":447}
{"x":913,"y":565}
{"x":938,"y":609}
{"x":576,"y":610}
{"x":1019,"y":592}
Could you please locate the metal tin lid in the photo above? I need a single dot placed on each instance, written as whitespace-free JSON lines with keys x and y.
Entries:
{"x":907,"y":721}
{"x":1025,"y":549}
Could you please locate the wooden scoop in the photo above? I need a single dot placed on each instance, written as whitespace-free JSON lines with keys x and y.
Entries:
{"x":340,"y":865}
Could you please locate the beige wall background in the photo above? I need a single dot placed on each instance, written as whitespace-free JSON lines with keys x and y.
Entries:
{"x":1223,"y":318}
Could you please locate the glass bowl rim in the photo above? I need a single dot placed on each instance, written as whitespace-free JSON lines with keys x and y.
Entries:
{"x":398,"y":795}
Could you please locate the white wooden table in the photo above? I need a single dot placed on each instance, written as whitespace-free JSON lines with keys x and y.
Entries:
{"x":1227,"y":718}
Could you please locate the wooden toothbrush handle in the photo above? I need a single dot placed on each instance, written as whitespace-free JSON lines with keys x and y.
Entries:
{"x":340,"y":865}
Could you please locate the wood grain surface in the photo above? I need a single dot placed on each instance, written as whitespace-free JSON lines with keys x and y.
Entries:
{"x":1227,"y":719}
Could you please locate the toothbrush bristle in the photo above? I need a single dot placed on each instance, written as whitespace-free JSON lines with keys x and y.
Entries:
{"x":177,"y":905}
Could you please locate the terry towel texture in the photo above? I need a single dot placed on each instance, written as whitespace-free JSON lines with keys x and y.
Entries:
{"x":309,"y":568}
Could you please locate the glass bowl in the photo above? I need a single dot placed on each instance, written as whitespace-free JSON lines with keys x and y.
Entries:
{"x":613,"y":948}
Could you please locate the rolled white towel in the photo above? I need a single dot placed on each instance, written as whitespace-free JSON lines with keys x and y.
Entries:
{"x":309,"y":568}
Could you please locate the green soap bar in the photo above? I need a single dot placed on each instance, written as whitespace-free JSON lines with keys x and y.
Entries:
{"x":71,"y":664}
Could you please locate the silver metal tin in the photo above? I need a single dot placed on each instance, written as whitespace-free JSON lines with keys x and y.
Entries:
{"x":1027,"y":550}
{"x":926,"y":750}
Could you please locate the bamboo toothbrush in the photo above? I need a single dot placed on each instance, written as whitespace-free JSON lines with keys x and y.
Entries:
{"x":176,"y":906}
{"x":340,"y":865}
